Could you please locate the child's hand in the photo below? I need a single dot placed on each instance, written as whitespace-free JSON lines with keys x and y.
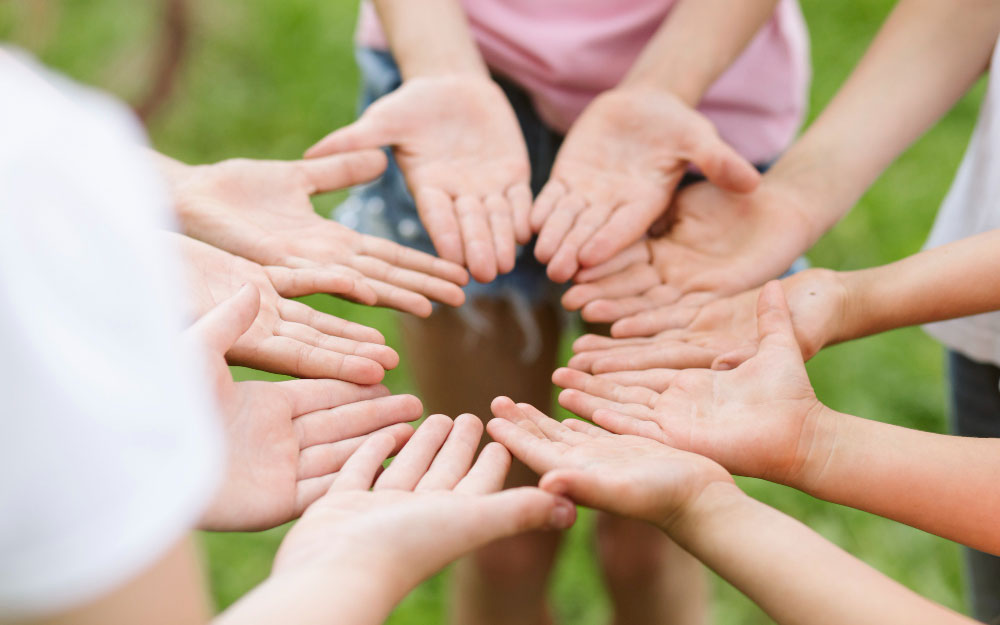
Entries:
{"x":627,"y":475}
{"x":760,"y":419}
{"x":260,"y":210}
{"x":458,"y":144}
{"x":286,"y":336}
{"x":431,"y":506}
{"x":718,"y":244}
{"x":285,"y":441}
{"x":616,"y":172}
{"x":694,"y":336}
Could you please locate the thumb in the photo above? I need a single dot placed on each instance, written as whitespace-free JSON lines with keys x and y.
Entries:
{"x":518,"y":510}
{"x":219,"y":328}
{"x":582,"y":487}
{"x":365,"y":133}
{"x":723,"y":166}
{"x":774,"y":321}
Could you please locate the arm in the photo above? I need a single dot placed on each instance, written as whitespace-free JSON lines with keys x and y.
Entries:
{"x":926,"y":55}
{"x":697,"y":42}
{"x":762,"y":419}
{"x":787,"y":569}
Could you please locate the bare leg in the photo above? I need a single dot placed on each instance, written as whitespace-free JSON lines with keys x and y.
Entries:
{"x":459,"y":371}
{"x":649,"y":578}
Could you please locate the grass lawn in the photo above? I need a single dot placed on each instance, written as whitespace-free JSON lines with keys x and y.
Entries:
{"x":265,"y":78}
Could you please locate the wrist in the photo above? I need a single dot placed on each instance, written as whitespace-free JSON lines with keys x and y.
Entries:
{"x":821,"y":429}
{"x":716,"y":499}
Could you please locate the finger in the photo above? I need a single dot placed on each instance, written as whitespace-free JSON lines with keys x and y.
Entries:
{"x":633,"y":280}
{"x":220,"y":328}
{"x":505,"y":408}
{"x":361,"y":468}
{"x":501,"y":218}
{"x":400,"y":299}
{"x":328,"y":324}
{"x":455,"y":457}
{"x":585,"y":428}
{"x":626,"y":225}
{"x":518,"y":510}
{"x":477,"y":239}
{"x":588,"y":488}
{"x":545,"y":203}
{"x":414,"y":260}
{"x":722,"y":165}
{"x":297,"y":282}
{"x":654,"y":320}
{"x":565,"y":263}
{"x":585,"y":404}
{"x":487,"y":475}
{"x":675,"y":355}
{"x":342,"y":170}
{"x":519,"y":198}
{"x":320,"y":460}
{"x":637,"y":253}
{"x":365,"y":133}
{"x":657,"y":380}
{"x":734,"y":358}
{"x":411,"y":463}
{"x":355,"y":419}
{"x":604,"y":388}
{"x":537,"y":452}
{"x":382,"y":354}
{"x":437,"y":212}
{"x":774,"y":321}
{"x":280,"y":354}
{"x":596,"y":342}
{"x":552,"y":429}
{"x":307,"y":396}
{"x":621,"y":423}
{"x":557,"y":226}
{"x":610,"y":310}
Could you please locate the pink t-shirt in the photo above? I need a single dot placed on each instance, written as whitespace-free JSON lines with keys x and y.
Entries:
{"x":566,"y":52}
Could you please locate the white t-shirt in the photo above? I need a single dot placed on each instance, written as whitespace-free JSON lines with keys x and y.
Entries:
{"x":972,"y":207}
{"x":109,"y":445}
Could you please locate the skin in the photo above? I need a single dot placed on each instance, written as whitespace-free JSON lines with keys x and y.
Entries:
{"x":455,"y":164}
{"x":925,"y":57}
{"x":286,"y":441}
{"x":260,"y":210}
{"x":286,"y":336}
{"x":827,"y":307}
{"x":341,"y":560}
{"x":762,"y":419}
{"x":792,"y":573}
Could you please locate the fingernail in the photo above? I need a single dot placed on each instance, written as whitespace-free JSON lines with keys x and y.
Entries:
{"x":563,"y":515}
{"x":723,"y":366}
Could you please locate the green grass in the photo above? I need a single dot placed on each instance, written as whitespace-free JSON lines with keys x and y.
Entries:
{"x":265,"y":78}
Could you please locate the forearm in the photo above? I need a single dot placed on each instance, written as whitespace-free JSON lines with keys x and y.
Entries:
{"x":955,"y":280}
{"x":430,"y":38}
{"x":924,"y":58}
{"x":791,"y":572}
{"x":697,"y":42}
{"x":316,"y":596}
{"x":945,"y":485}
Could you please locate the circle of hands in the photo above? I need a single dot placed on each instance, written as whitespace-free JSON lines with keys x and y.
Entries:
{"x":702,"y":376}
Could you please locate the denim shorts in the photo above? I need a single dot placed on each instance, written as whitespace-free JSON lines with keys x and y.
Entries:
{"x":385,"y":208}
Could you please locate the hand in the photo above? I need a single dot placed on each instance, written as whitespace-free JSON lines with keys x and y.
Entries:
{"x":427,"y":509}
{"x":260,"y":210}
{"x":286,"y":441}
{"x":459,"y":146}
{"x":719,"y":244}
{"x":626,"y":475}
{"x":758,"y":419}
{"x":694,"y":336}
{"x":286,"y":336}
{"x":617,"y":171}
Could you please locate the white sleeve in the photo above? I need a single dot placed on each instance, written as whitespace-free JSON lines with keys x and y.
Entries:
{"x":109,"y":446}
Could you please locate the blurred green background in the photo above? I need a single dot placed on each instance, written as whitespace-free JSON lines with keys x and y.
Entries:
{"x":266,"y":78}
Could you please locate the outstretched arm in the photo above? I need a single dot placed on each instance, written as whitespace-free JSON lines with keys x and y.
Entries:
{"x":762,"y":419}
{"x":791,"y":572}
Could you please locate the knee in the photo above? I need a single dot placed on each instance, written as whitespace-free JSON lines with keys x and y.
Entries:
{"x":631,"y":552}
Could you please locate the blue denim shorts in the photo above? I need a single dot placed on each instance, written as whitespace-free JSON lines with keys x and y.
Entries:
{"x":385,"y":208}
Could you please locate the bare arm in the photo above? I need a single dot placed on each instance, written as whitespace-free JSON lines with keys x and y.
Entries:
{"x":449,"y":50}
{"x":697,"y":42}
